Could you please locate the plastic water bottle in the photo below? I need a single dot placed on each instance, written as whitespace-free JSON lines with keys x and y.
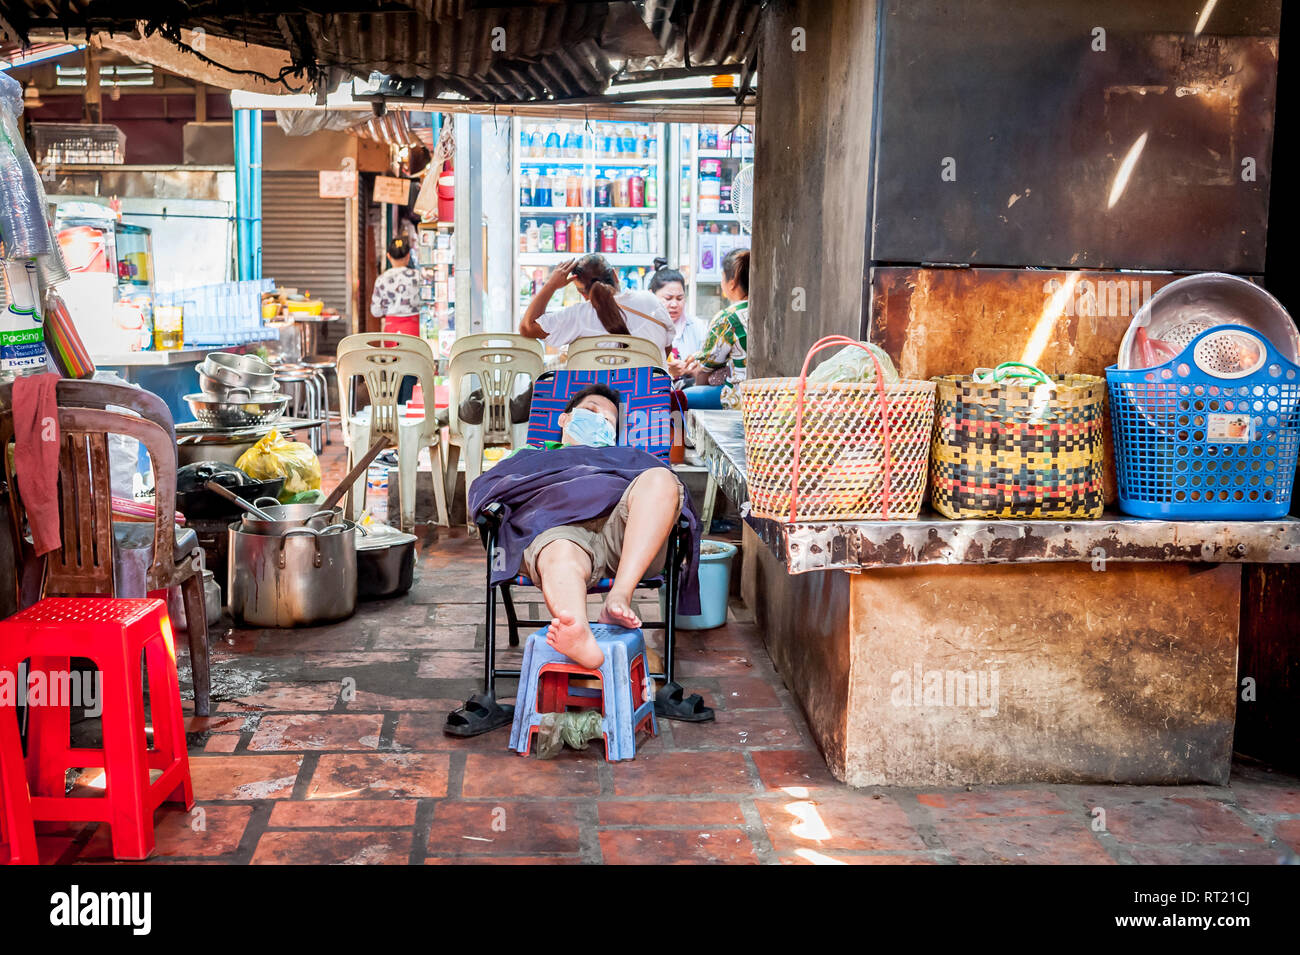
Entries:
{"x":22,"y":328}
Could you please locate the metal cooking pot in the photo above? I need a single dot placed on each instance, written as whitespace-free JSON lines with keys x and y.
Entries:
{"x":303,"y":576}
{"x":385,"y":563}
{"x":288,"y":516}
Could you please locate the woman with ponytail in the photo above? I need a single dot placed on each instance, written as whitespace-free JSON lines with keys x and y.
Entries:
{"x":603,"y":310}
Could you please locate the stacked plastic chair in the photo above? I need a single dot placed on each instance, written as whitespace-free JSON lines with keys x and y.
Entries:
{"x":545,"y":686}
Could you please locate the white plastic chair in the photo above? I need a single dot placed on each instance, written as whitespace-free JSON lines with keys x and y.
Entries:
{"x":499,"y":362}
{"x":613,"y":352}
{"x":383,"y":368}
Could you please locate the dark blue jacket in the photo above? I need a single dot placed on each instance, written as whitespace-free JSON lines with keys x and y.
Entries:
{"x":543,"y":489}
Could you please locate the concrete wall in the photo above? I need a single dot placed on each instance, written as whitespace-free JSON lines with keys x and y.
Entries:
{"x":811,"y":178}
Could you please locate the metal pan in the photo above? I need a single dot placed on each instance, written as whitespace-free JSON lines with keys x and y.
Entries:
{"x":286,"y":516}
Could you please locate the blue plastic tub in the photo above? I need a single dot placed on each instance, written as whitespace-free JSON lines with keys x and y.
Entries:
{"x":715,"y":585}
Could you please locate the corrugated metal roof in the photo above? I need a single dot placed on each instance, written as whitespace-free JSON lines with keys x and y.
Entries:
{"x":508,"y":53}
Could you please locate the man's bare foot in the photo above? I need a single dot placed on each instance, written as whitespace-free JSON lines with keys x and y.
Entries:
{"x":572,"y":637}
{"x":618,"y":611}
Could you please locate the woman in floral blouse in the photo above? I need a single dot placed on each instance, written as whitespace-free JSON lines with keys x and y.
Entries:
{"x":725,"y":343}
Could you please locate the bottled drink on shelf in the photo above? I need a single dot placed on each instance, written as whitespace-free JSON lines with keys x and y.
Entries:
{"x":624,"y":244}
{"x":640,"y":239}
{"x":572,"y":143}
{"x":619,"y":190}
{"x":561,"y":235}
{"x":573,"y":190}
{"x":552,"y":142}
{"x":651,"y":190}
{"x":577,"y":235}
{"x":525,"y":190}
{"x":546,"y":237}
{"x":627,"y":143}
{"x":586,"y":191}
{"x":636,"y":191}
{"x":608,"y":238}
{"x":542,"y":189}
{"x":602,"y":193}
{"x":533,"y":236}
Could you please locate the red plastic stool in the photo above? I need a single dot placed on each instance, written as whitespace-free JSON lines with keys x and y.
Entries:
{"x":17,"y":832}
{"x":113,"y":633}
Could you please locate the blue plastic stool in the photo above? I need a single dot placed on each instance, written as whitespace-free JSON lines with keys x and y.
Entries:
{"x":622,"y":678}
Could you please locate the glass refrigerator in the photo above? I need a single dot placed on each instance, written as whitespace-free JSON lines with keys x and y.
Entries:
{"x":706,"y":158}
{"x":586,"y":186}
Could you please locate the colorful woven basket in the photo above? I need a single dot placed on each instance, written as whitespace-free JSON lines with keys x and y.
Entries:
{"x":1005,"y":450}
{"x":845,"y":451}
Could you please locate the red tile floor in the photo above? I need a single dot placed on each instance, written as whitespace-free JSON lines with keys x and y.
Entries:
{"x":326,"y":747}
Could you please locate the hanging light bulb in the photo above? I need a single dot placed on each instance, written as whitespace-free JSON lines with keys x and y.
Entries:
{"x":116,"y":93}
{"x":32,"y":96}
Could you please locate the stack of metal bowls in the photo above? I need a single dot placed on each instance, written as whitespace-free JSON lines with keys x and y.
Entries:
{"x":237,"y":391}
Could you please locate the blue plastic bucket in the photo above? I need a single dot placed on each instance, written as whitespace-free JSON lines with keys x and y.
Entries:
{"x":715,"y":586}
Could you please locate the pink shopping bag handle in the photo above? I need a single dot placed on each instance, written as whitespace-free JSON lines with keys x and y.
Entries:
{"x":824,"y":343}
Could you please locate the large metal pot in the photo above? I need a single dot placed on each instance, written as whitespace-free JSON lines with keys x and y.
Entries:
{"x":303,"y":576}
{"x":289,"y":515}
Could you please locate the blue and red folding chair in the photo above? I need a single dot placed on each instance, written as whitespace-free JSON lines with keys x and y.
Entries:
{"x":647,"y":424}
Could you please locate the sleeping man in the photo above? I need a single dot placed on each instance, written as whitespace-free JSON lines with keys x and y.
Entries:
{"x":583,"y":509}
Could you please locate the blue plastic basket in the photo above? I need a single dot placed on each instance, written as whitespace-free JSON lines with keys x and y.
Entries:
{"x":1211,"y":434}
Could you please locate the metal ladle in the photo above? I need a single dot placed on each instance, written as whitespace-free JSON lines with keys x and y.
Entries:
{"x":231,"y":496}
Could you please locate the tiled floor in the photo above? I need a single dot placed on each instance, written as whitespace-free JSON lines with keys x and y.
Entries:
{"x":326,"y":746}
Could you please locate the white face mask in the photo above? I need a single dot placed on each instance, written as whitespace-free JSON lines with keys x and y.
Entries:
{"x":587,"y":427}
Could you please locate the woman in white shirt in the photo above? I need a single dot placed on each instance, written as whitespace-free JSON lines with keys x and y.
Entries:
{"x":669,"y":286}
{"x":604,"y":309}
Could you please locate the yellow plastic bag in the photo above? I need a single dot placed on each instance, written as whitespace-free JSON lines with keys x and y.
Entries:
{"x":274,"y":457}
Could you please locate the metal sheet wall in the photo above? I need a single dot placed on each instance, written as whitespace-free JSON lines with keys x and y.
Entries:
{"x":304,"y":237}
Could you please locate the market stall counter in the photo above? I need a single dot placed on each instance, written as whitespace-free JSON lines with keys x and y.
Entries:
{"x":941,"y":652}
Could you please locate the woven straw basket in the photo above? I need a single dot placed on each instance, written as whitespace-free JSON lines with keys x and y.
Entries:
{"x":843,"y":452}
{"x":1005,"y":450}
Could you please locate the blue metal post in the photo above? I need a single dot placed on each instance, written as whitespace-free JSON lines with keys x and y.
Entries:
{"x":248,"y":192}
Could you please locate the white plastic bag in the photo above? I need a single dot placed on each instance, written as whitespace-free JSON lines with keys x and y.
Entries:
{"x":124,"y":459}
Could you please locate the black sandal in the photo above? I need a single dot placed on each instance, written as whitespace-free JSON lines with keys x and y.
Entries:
{"x":480,"y":714}
{"x":671,"y":705}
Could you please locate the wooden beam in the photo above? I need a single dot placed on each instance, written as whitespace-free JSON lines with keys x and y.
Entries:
{"x":230,"y":56}
{"x":200,"y":103}
{"x":92,"y":110}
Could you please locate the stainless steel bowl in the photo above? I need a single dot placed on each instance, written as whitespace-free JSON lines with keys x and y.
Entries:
{"x":239,"y":371}
{"x":237,"y":413}
{"x":214,"y":388}
{"x":1196,"y":303}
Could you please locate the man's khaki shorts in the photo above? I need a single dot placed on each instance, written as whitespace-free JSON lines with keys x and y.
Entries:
{"x":600,"y":537}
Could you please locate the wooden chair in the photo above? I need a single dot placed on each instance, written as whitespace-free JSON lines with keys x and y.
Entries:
{"x":85,"y":565}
